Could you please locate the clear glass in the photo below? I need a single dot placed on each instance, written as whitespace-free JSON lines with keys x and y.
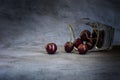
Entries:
{"x":105,"y":33}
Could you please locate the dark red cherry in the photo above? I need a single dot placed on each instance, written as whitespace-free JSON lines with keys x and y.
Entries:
{"x":82,"y":49}
{"x":94,"y":33}
{"x":94,"y":36}
{"x":68,"y":47}
{"x":100,"y":41}
{"x":77,"y":42}
{"x":51,"y":48}
{"x":84,"y":35}
{"x":90,"y":43}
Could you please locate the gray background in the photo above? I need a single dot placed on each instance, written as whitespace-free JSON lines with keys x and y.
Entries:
{"x":33,"y":23}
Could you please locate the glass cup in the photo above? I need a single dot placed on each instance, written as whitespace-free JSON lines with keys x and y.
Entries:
{"x":101,"y":34}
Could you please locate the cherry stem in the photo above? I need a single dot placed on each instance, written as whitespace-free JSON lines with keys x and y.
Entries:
{"x":71,"y":32}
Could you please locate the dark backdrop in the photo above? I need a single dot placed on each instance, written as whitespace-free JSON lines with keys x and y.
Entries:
{"x":30,"y":23}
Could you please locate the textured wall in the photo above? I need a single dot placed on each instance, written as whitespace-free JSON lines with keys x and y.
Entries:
{"x":30,"y":23}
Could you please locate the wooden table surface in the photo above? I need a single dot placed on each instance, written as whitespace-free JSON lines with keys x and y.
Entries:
{"x":18,"y":64}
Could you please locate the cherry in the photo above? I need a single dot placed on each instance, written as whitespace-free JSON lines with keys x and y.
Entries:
{"x":77,"y":42}
{"x":94,"y":36}
{"x":94,"y":33}
{"x":68,"y":47}
{"x":51,"y":48}
{"x":82,"y":48}
{"x":100,"y":39}
{"x":90,"y":43}
{"x":84,"y":35}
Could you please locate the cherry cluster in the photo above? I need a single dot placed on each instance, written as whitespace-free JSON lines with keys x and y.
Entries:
{"x":85,"y":42}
